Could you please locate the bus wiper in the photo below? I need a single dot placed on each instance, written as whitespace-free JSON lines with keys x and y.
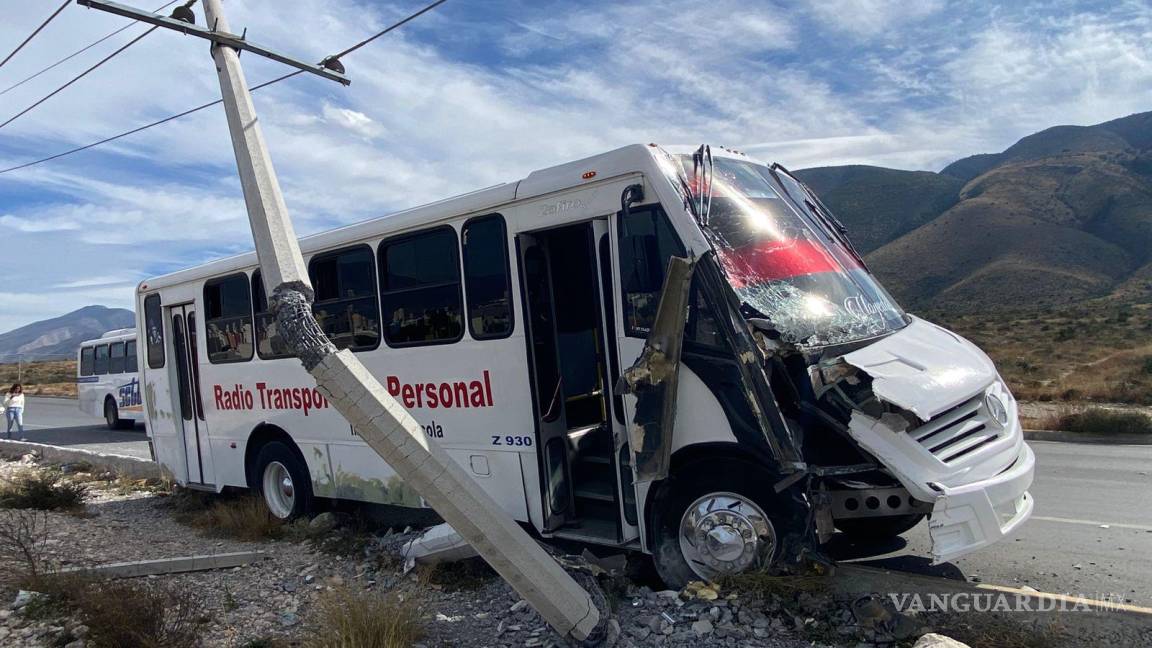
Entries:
{"x":702,"y":169}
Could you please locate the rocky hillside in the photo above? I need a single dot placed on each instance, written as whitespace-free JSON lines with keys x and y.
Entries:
{"x":1061,"y":216}
{"x":61,"y":336}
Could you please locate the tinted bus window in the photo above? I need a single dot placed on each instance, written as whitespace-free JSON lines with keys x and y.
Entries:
{"x":130,"y":357}
{"x":420,"y":288}
{"x":153,"y":331}
{"x":647,"y":240}
{"x":486,"y":277}
{"x":116,"y":357}
{"x":228,"y":317}
{"x":346,"y":306}
{"x":101,"y":365}
{"x":87,"y":356}
{"x":269,"y":344}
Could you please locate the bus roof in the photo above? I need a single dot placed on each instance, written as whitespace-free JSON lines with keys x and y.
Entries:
{"x":114,"y":335}
{"x":627,"y":159}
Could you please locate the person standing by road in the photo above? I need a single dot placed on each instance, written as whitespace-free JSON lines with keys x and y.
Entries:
{"x":14,"y":408}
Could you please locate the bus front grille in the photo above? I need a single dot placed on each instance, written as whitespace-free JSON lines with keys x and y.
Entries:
{"x":958,"y":432}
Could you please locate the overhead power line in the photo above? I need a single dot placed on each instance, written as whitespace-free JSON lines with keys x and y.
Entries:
{"x":37,"y":31}
{"x":218,"y":101}
{"x":79,"y":51}
{"x":78,"y":77}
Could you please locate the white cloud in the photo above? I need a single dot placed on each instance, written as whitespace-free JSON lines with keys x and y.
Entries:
{"x":902,"y":84}
{"x":871,"y":18}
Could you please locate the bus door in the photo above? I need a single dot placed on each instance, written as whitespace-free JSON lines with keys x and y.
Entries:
{"x":189,"y":404}
{"x":570,"y":344}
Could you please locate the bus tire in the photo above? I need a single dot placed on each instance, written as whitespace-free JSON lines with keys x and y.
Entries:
{"x":719,"y":520}
{"x":283,"y":481}
{"x":878,"y":528}
{"x":112,"y":414}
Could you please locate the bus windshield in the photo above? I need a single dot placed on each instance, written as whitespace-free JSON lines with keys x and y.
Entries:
{"x":788,"y":266}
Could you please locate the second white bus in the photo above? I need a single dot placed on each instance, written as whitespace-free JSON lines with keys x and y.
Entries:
{"x":108,"y":382}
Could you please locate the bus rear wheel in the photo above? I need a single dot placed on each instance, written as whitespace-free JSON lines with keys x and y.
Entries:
{"x":284,"y":481}
{"x":112,"y":415}
{"x":713,"y":523}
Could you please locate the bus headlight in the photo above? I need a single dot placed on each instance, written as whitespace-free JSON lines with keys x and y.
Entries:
{"x":996,"y":408}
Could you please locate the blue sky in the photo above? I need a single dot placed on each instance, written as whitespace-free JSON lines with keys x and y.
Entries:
{"x":476,"y":93}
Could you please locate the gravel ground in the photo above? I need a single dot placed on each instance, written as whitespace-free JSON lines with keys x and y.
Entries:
{"x":273,"y":600}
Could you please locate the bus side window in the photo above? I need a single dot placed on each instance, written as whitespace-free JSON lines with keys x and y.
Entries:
{"x":116,"y":358}
{"x":87,"y":361}
{"x":485,"y":244}
{"x":647,"y":240}
{"x":101,"y":365}
{"x":154,"y":332}
{"x":346,"y":306}
{"x":228,"y":319}
{"x":420,"y":288}
{"x":130,"y":365}
{"x":269,"y":344}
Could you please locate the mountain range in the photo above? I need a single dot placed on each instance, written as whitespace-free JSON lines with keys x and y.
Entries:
{"x":59,"y":337}
{"x":1062,"y":216}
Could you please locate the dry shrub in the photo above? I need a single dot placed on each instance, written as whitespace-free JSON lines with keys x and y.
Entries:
{"x":45,"y":490}
{"x":345,"y":618}
{"x":22,"y":539}
{"x":241,"y":518}
{"x":1098,"y":420}
{"x":141,"y":614}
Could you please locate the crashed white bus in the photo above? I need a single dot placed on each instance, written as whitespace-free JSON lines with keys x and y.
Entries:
{"x":792,"y":394}
{"x":107,"y":379}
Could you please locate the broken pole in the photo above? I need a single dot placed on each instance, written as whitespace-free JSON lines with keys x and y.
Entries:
{"x":376,"y":416}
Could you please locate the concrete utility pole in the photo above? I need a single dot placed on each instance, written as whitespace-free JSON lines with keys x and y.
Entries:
{"x":377,"y":417}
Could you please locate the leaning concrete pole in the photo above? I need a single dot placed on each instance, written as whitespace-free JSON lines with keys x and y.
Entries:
{"x":377,"y":417}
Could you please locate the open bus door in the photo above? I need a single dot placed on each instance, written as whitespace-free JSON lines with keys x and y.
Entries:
{"x":190,"y":405}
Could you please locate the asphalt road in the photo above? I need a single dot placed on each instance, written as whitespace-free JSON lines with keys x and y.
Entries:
{"x":1079,"y":488}
{"x":59,"y":422}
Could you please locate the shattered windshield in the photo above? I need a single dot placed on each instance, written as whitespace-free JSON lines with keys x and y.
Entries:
{"x":790,"y":268}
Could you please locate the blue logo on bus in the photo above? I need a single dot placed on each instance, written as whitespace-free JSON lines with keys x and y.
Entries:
{"x":129,"y":395}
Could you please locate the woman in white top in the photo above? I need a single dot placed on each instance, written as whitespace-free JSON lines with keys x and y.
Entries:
{"x":14,"y":408}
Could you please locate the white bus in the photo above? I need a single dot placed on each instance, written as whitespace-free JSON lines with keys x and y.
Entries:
{"x":108,"y":381}
{"x":805,"y":397}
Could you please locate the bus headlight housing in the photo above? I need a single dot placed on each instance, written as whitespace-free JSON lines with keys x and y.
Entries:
{"x":996,"y":408}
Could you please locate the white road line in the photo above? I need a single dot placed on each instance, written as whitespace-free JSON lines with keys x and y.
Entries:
{"x":1115,"y":525}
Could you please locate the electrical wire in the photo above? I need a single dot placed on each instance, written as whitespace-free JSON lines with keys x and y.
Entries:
{"x":80,"y":51}
{"x":78,"y":77}
{"x":145,"y":127}
{"x":37,"y":31}
{"x":388,"y":29}
{"x":218,"y":101}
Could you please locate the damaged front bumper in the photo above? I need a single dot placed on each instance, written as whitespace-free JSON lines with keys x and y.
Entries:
{"x":963,"y":451}
{"x":972,"y":516}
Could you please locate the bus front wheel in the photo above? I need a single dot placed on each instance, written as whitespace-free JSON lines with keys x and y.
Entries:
{"x":284,"y":481}
{"x":712,"y":523}
{"x":112,"y":415}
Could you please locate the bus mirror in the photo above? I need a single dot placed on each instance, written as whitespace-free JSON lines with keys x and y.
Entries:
{"x":631,"y":195}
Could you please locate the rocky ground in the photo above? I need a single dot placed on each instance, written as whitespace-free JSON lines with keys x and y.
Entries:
{"x":272,"y":602}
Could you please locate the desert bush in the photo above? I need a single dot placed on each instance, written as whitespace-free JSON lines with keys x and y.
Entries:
{"x":22,"y":540}
{"x":347,"y":618}
{"x":140,"y":614}
{"x":1098,"y":420}
{"x":45,"y":490}
{"x":242,"y":517}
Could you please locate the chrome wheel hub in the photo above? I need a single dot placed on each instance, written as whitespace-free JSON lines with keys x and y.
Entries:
{"x":725,"y":533}
{"x":279,"y":491}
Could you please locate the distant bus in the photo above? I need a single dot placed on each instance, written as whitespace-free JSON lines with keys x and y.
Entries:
{"x":107,"y":380}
